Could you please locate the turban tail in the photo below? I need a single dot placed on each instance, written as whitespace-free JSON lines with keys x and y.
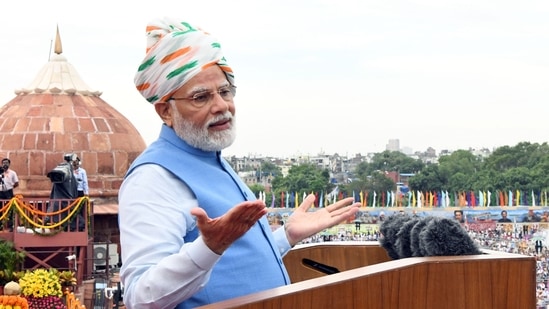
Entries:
{"x":176,"y":52}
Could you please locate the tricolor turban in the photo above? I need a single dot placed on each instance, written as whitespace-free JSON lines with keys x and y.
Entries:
{"x":176,"y":52}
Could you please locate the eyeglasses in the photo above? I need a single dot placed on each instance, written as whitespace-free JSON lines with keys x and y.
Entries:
{"x":201,"y":99}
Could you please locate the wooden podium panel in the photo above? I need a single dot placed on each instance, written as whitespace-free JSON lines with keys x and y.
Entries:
{"x":341,"y":255}
{"x":489,"y":280}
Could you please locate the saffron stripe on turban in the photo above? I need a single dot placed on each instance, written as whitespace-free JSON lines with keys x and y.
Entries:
{"x":176,"y":52}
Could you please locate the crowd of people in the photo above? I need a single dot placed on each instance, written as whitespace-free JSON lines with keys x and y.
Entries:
{"x":525,"y":239}
{"x":521,"y":239}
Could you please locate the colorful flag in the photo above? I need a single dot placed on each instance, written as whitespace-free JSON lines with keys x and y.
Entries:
{"x":518,"y":199}
{"x":409,"y":194}
{"x":287,"y":199}
{"x":321,"y":199}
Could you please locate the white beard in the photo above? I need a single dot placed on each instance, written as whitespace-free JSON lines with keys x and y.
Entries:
{"x":200,"y":137}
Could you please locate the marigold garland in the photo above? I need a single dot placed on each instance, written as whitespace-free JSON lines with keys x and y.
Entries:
{"x":13,"y":302}
{"x":33,"y":216}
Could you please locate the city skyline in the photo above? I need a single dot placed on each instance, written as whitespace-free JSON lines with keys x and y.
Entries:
{"x":334,"y":77}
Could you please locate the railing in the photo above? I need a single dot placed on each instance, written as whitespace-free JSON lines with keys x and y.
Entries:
{"x":25,"y":220}
{"x":44,"y":215}
{"x":49,"y":231}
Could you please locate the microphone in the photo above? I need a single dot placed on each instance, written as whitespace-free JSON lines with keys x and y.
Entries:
{"x":323,"y":268}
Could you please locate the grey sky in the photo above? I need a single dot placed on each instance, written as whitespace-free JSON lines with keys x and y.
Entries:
{"x":335,"y":76}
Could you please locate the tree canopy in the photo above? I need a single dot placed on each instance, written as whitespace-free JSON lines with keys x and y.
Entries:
{"x":522,"y":167}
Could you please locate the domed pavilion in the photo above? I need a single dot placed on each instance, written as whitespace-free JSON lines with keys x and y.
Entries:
{"x":56,"y":114}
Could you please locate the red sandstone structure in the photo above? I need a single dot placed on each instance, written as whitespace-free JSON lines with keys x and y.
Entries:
{"x":58,"y":113}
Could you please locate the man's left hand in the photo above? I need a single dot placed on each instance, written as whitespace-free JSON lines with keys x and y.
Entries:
{"x":303,"y":223}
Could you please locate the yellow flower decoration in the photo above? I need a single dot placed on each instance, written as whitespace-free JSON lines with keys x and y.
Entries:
{"x":41,"y":283}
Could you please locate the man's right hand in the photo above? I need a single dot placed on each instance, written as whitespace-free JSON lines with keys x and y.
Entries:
{"x":219,"y":233}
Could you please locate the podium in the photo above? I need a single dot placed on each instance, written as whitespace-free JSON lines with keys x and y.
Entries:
{"x":368,"y":278}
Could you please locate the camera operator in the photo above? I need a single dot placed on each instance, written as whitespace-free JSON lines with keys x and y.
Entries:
{"x":8,"y":180}
{"x":81,"y":178}
{"x":63,"y":182}
{"x":65,"y":188}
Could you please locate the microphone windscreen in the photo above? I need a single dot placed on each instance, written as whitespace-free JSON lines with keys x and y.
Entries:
{"x":415,"y":247}
{"x":389,"y":229}
{"x":446,"y":237}
{"x":403,"y":238}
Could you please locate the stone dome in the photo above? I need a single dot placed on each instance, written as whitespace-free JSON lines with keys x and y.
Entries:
{"x":58,"y":114}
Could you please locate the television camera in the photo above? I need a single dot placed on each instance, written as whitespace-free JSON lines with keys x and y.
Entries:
{"x":63,"y":189}
{"x":3,"y":168}
{"x":63,"y":171}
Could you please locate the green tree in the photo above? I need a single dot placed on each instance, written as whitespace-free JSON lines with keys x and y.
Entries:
{"x":458,"y":182}
{"x":269,"y":168}
{"x":394,"y":161}
{"x":371,"y":176}
{"x":256,"y":188}
{"x":524,"y":154}
{"x":380,"y":183}
{"x":303,"y":178}
{"x":456,"y":170}
{"x":521,"y":167}
{"x":517,"y":178}
{"x":429,"y":179}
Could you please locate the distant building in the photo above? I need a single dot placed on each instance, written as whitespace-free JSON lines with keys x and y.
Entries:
{"x":407,"y":151}
{"x":393,"y":145}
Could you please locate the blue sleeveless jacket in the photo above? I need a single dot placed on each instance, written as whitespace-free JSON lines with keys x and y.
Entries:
{"x":253,"y":263}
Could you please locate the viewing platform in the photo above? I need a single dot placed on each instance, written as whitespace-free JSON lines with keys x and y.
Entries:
{"x":49,"y":231}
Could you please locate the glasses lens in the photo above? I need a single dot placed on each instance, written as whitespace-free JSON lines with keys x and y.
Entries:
{"x":226,"y":93}
{"x":200,"y":99}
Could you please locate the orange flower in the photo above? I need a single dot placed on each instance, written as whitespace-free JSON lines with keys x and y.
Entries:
{"x":13,"y":301}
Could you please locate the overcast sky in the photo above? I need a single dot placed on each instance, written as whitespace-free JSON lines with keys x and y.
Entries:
{"x":326,"y":76}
